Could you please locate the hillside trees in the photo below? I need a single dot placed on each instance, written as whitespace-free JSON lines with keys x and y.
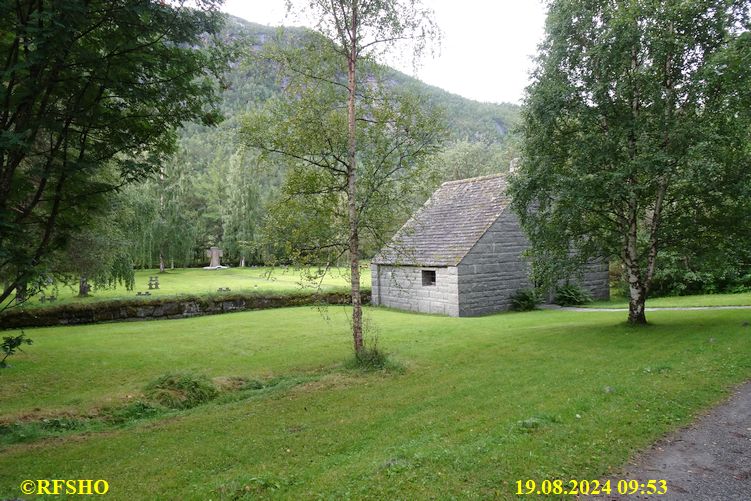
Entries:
{"x":86,"y":86}
{"x":163,"y":225}
{"x":241,"y":218}
{"x":347,"y":134}
{"x":636,"y":135}
{"x":212,"y":166}
{"x":465,"y":159}
{"x":195,"y":203}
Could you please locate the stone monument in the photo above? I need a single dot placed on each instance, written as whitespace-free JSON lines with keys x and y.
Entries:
{"x":214,"y":253}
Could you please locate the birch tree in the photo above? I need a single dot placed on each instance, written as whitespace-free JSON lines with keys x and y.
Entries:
{"x":355,"y":35}
{"x":636,"y":135}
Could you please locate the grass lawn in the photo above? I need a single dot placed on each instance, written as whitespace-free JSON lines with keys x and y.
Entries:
{"x":197,"y":281}
{"x":743,"y":299}
{"x":482,"y":402}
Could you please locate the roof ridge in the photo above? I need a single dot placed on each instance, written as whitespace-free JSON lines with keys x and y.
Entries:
{"x":474,"y":179}
{"x":449,"y":224}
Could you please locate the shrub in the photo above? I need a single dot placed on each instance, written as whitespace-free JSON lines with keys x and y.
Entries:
{"x":571,"y":295}
{"x":181,"y":390}
{"x":525,"y":300}
{"x":676,"y":276}
{"x":372,"y":358}
{"x":679,"y":275}
{"x":12,"y":344}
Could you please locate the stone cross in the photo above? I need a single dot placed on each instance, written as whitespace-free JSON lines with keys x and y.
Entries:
{"x":214,"y":254}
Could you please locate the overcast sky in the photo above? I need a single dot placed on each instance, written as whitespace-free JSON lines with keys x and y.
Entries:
{"x":486,"y":49}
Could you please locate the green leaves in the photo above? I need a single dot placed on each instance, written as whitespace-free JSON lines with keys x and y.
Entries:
{"x":12,"y":344}
{"x":88,"y":87}
{"x":305,"y":129}
{"x":636,"y":133}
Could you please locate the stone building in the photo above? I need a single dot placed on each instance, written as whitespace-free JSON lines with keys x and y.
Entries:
{"x":461,"y":254}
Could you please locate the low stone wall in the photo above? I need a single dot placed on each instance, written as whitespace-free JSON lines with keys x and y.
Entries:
{"x":167,"y":308}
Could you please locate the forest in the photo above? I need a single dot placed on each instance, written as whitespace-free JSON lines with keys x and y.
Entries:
{"x":216,"y":191}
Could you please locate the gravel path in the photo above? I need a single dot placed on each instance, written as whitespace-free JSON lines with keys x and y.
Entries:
{"x":710,"y":460}
{"x":669,"y":308}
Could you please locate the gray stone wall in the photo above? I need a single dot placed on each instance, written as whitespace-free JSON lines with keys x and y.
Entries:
{"x":483,"y":283}
{"x":401,"y":287}
{"x":596,"y":279}
{"x":494,"y":269}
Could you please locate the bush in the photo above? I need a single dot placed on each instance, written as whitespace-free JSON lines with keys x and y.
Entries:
{"x":370,"y":358}
{"x":525,"y":300}
{"x":679,"y":275}
{"x":10,"y":345}
{"x":571,"y":295}
{"x":181,"y":390}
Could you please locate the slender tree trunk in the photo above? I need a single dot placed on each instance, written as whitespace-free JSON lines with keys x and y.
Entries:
{"x":161,"y":263}
{"x":83,"y":286}
{"x":21,"y":292}
{"x":354,"y":240}
{"x":636,"y":288}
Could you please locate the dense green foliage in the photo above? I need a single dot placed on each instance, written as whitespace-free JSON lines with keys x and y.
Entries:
{"x":451,"y":425}
{"x":636,"y":138}
{"x":306,"y":128}
{"x":571,"y":295}
{"x":683,"y":275}
{"x":91,"y":93}
{"x":525,"y":300}
{"x":11,"y":345}
{"x":216,"y":192}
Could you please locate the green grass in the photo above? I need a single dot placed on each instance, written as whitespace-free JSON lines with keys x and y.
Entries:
{"x":481,"y":403}
{"x":197,"y":281}
{"x":743,"y":299}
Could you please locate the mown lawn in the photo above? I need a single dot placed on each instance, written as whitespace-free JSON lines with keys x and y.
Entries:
{"x":197,"y":281}
{"x":482,"y":402}
{"x":743,"y":299}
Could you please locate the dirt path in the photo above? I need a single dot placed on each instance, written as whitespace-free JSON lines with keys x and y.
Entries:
{"x":710,"y":460}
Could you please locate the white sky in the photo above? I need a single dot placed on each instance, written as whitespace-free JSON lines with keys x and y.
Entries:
{"x":485,"y":53}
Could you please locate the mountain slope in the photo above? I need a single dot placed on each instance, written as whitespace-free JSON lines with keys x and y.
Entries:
{"x":467,"y":119}
{"x":214,"y":191}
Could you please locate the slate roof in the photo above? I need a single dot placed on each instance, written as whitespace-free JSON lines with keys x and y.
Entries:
{"x":449,"y":224}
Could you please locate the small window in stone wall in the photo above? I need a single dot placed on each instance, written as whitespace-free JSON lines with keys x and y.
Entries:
{"x":428,"y":277}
